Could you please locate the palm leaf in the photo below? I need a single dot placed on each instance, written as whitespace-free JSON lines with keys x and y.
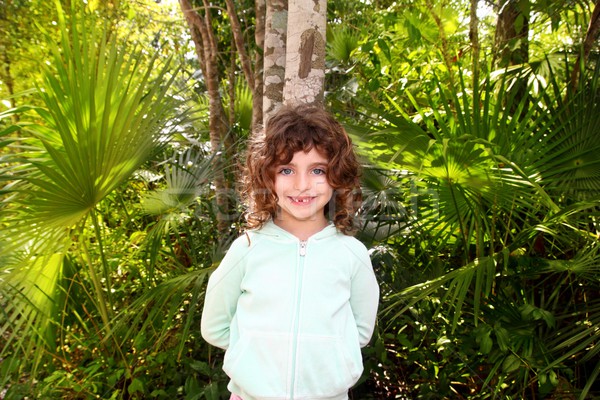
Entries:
{"x":105,"y":109}
{"x":506,"y":172}
{"x":341,"y":43}
{"x":99,"y":107}
{"x":574,"y":167}
{"x":30,"y":288}
{"x":153,"y":313}
{"x":185,"y":179}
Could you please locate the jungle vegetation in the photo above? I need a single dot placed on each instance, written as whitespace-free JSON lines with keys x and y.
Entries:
{"x":478,"y":124}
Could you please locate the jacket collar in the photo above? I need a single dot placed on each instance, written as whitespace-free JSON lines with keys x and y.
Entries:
{"x":277,"y":233}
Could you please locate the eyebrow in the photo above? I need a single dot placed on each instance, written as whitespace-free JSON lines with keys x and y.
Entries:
{"x":317,"y":164}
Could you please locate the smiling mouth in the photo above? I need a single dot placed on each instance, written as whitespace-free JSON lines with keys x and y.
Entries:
{"x":302,"y":200}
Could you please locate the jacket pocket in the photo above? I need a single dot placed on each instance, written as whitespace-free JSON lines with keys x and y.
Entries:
{"x":326,"y":366}
{"x":258,"y":364}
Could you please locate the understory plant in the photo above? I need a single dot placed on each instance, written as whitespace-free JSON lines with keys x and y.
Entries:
{"x":482,"y":207}
{"x":100,"y":282}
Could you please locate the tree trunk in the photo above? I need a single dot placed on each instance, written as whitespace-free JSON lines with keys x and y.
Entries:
{"x":259,"y":37}
{"x":306,"y":48}
{"x":200,"y":24}
{"x":593,"y":31}
{"x":512,"y":43}
{"x":475,"y":49}
{"x":512,"y":33}
{"x":274,"y":56}
{"x":443,"y":40}
{"x":474,"y":37}
{"x":238,"y":36}
{"x":7,"y":79}
{"x":591,"y":36}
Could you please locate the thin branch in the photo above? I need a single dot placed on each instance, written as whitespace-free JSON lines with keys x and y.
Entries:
{"x":474,"y":36}
{"x":239,"y":43}
{"x":443,"y":39}
{"x":258,"y":91}
{"x":591,"y":36}
{"x":194,"y":22}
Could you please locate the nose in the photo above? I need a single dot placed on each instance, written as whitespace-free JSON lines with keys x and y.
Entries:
{"x":302,"y":182}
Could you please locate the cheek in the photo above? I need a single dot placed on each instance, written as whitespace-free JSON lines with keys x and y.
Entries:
{"x":277,"y":182}
{"x":280,"y":186}
{"x":326,"y":181}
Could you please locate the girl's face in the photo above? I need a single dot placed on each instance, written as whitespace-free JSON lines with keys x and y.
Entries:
{"x":303,"y":192}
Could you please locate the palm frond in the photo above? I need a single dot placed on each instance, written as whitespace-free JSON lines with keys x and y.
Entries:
{"x":341,"y":43}
{"x":450,"y":288}
{"x":185,"y":179}
{"x":516,"y":197}
{"x":154,"y":311}
{"x":574,"y":167}
{"x":105,"y":111}
{"x":29,"y":288}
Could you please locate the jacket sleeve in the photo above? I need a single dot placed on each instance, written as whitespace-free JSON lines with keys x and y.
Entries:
{"x":222,"y":293}
{"x":364,"y":296}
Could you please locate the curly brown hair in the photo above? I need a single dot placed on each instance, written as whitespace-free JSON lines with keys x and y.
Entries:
{"x":294,"y":129}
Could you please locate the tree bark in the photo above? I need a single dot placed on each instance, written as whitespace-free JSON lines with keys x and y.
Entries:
{"x":239,"y":44}
{"x":591,"y":36}
{"x":512,"y":44}
{"x":200,"y":24}
{"x":7,"y":79}
{"x":254,"y":77}
{"x":512,"y":33}
{"x":474,"y":37}
{"x":306,"y":48}
{"x":259,"y":37}
{"x":592,"y":32}
{"x":274,"y":56}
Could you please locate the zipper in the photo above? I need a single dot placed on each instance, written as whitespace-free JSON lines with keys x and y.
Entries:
{"x":296,"y":326}
{"x":303,"y":248}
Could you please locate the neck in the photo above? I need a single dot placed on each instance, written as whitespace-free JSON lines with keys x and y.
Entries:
{"x":302,"y":230}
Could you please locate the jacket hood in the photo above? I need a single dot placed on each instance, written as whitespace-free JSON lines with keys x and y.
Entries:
{"x":274,"y":232}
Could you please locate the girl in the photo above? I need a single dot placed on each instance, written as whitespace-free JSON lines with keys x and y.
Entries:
{"x":295,"y":298}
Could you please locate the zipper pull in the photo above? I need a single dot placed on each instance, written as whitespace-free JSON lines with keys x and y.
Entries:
{"x":303,"y":247}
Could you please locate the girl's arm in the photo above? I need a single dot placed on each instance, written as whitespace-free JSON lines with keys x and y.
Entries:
{"x":364,"y":298}
{"x":222,"y":293}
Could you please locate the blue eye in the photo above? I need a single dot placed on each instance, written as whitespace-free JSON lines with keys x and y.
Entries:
{"x":319,"y":171}
{"x":285,"y":171}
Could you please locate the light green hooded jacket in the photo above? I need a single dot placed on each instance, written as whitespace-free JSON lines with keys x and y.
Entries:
{"x":292,"y":315}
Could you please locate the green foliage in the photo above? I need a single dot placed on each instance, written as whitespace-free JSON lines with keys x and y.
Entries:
{"x":21,"y":47}
{"x":501,"y":251}
{"x":95,"y":304}
{"x":481,"y":202}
